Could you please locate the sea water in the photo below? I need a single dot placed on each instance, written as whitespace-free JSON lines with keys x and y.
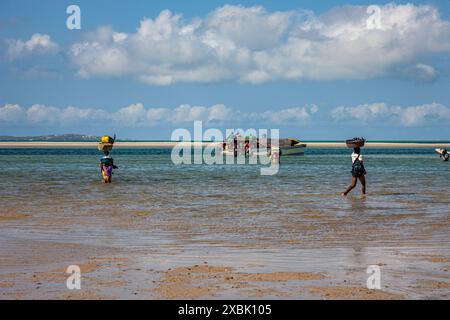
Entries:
{"x":293,"y":220}
{"x":399,"y":181}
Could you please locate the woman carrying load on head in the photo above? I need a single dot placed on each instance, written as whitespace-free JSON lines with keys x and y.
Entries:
{"x":107,"y":162}
{"x":358,"y":172}
{"x":106,"y":167}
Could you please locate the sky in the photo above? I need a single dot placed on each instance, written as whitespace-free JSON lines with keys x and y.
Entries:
{"x":316,"y":70}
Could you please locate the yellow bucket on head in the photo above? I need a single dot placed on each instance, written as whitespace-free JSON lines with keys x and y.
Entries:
{"x":107,"y":139}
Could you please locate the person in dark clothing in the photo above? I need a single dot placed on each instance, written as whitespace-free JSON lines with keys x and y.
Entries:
{"x":358,"y":172}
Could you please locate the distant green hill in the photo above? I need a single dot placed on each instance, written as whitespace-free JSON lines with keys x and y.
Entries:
{"x":56,"y":138}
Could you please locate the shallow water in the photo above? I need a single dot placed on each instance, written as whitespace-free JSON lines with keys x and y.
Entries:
{"x":293,"y":220}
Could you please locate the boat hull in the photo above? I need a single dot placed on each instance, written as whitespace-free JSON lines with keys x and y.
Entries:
{"x":297,"y":150}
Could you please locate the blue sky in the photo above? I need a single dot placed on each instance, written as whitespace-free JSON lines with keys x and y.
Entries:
{"x":314,"y":69}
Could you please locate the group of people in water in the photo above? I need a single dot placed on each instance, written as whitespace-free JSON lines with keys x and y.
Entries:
{"x":237,"y":145}
{"x":358,"y":170}
{"x":241,"y":145}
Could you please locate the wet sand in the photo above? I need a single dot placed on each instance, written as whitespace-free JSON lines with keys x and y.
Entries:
{"x":186,"y":268}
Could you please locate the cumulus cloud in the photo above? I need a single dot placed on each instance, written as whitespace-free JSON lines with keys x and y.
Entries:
{"x":381,"y":113}
{"x":11,"y":113}
{"x":74,"y":115}
{"x":290,"y":114}
{"x":424,"y":114}
{"x":253,"y":45}
{"x":419,"y":72}
{"x":130,"y":115}
{"x":137,"y":115}
{"x":37,"y":44}
{"x":43,"y":114}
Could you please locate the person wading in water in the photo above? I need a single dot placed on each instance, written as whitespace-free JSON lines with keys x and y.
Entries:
{"x":358,"y":172}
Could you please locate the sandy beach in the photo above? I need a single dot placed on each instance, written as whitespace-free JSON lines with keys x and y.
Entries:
{"x":169,"y":144}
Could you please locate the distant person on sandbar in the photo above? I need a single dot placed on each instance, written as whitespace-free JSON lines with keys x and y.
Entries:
{"x":358,"y":172}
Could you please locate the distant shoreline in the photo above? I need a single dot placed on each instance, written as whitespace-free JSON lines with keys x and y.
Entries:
{"x":170,"y":144}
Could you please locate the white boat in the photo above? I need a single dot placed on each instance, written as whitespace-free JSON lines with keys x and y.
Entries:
{"x":288,"y":147}
{"x":295,"y":150}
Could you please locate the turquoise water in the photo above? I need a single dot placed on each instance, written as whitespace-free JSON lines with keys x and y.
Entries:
{"x":165,"y":215}
{"x":146,"y":178}
{"x":67,"y":183}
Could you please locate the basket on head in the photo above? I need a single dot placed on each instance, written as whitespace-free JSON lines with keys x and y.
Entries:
{"x":355,"y":143}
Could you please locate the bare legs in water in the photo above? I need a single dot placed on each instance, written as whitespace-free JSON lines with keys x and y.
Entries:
{"x":362,"y":179}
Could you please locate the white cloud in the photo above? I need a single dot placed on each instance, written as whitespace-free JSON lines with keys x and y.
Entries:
{"x":297,"y":114}
{"x":186,"y":113}
{"x":131,"y":115}
{"x":421,"y":72}
{"x":251,"y":44}
{"x":77,"y":115}
{"x":220,"y":112}
{"x":423,"y":114}
{"x":102,"y":48}
{"x":380,"y":113}
{"x":38,"y":43}
{"x":136,"y":115}
{"x":253,"y":28}
{"x":42,"y":113}
{"x":363,"y":113}
{"x":11,"y":113}
{"x":156,"y":115}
